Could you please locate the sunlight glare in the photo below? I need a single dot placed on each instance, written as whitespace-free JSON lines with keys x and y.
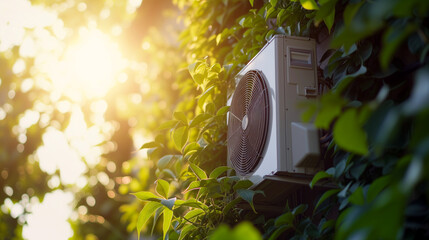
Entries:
{"x":74,"y":73}
{"x":57,"y":154}
{"x":132,"y":5}
{"x":66,"y":150}
{"x":48,"y":219}
{"x":16,"y":16}
{"x":91,"y":65}
{"x":84,"y":139}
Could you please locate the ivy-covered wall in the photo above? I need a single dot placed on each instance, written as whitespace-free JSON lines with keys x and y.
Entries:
{"x":375,"y":113}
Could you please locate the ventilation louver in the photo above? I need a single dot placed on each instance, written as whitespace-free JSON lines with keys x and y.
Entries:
{"x":249,"y":121}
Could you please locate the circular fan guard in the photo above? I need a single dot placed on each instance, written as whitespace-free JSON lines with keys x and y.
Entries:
{"x":248,"y":123}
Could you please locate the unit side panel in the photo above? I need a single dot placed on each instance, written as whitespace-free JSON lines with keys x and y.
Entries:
{"x":282,"y":159}
{"x":292,"y":115}
{"x":300,"y":77}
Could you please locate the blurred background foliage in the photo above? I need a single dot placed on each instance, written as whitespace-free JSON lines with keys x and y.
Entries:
{"x":164,"y":89}
{"x":78,"y":90}
{"x":376,"y":70}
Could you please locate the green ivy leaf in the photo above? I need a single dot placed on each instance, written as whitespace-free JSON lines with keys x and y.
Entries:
{"x":326,"y":9}
{"x":164,"y":161}
{"x":326,"y":195}
{"x":248,"y":195}
{"x":243,"y":184}
{"x":204,"y":96}
{"x":145,"y":214}
{"x":223,"y":110}
{"x":193,"y":213}
{"x":329,"y":20}
{"x":197,"y":71}
{"x":348,"y":133}
{"x":193,"y":203}
{"x":145,"y":195}
{"x":351,"y":10}
{"x":246,"y":231}
{"x":158,"y":213}
{"x":150,"y":145}
{"x":169,"y":172}
{"x":241,"y":22}
{"x":309,"y":4}
{"x":340,"y":167}
{"x":284,"y":219}
{"x":191,"y":147}
{"x":299,"y":209}
{"x":276,"y":234}
{"x":347,"y":79}
{"x":162,"y":187}
{"x":331,"y":108}
{"x":169,"y":203}
{"x":281,"y":17}
{"x":209,"y":107}
{"x":185,"y":231}
{"x":168,"y":216}
{"x":357,"y":197}
{"x":181,"y":117}
{"x":319,"y":176}
{"x":215,"y":68}
{"x":309,"y":110}
{"x":415,"y":171}
{"x":328,"y":224}
{"x":218,"y":38}
{"x":243,"y":231}
{"x":418,"y":101}
{"x":218,"y":171}
{"x":344,"y":191}
{"x":251,"y":2}
{"x":368,"y":20}
{"x":199,"y":119}
{"x":376,"y":187}
{"x":180,"y":136}
{"x":193,"y":186}
{"x":357,"y":169}
{"x":273,"y":3}
{"x":269,"y":34}
{"x":192,"y":67}
{"x":270,"y":12}
{"x":198,"y":171}
{"x":168,"y":124}
{"x":231,"y":204}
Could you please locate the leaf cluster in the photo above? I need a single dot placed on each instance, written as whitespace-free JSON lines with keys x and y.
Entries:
{"x":374,"y":115}
{"x":204,"y":204}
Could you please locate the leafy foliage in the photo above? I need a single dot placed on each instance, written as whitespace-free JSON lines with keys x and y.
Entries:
{"x":213,"y":202}
{"x":31,"y":107}
{"x":376,"y":111}
{"x":243,"y":231}
{"x":374,"y":86}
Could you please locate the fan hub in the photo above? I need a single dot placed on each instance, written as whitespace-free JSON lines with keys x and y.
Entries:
{"x":244,"y":122}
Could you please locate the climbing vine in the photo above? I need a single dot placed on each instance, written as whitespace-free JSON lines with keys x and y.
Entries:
{"x":374,"y":114}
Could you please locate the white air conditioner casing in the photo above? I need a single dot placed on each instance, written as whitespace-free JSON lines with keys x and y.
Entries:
{"x":289,"y":68}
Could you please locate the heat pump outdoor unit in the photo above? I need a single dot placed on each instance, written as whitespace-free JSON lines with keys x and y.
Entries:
{"x":265,"y":133}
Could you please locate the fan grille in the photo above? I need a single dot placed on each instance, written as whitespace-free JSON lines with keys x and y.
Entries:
{"x":248,"y":123}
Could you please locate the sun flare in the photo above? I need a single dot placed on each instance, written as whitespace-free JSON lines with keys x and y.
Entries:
{"x":92,"y":65}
